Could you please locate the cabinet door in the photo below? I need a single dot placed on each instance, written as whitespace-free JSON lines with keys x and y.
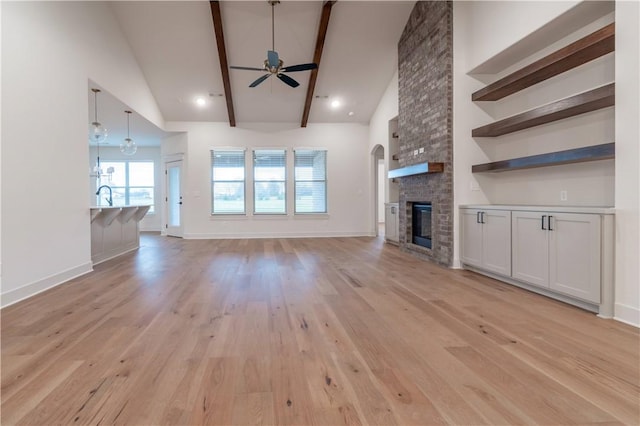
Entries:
{"x":496,"y":241}
{"x":574,"y":255}
{"x":471,"y":238}
{"x":391,"y":222}
{"x":530,"y":248}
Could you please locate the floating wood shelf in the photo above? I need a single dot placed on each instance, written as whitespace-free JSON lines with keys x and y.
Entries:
{"x":579,"y":155}
{"x":592,"y":100}
{"x":416,"y":169}
{"x":596,"y":44}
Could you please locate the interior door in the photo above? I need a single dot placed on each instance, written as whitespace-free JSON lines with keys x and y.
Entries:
{"x":173,"y":199}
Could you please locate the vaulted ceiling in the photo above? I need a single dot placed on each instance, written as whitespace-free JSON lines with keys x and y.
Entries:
{"x":175,"y":45}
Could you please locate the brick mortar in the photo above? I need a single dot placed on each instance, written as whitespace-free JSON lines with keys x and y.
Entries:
{"x":425,"y":63}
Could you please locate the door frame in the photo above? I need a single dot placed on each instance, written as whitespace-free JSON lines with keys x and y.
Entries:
{"x":377,"y":153}
{"x":168,"y":162}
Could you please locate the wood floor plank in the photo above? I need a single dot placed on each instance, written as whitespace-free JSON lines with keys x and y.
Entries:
{"x":308,"y":332}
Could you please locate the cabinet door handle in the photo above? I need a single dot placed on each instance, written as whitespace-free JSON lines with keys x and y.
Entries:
{"x":481,"y":217}
{"x":478,"y":217}
{"x":542,"y":224}
{"x":549,"y":223}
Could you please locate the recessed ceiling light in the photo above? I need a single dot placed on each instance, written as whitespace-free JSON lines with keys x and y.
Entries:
{"x":351,"y":114}
{"x":335,"y":103}
{"x":200,"y":101}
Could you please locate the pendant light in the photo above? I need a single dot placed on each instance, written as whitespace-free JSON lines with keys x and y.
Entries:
{"x":128,"y":146}
{"x":97,"y":132}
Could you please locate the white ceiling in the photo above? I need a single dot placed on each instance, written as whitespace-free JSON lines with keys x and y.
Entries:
{"x":175,"y":46}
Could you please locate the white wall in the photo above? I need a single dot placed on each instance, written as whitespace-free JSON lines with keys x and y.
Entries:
{"x":379,"y":133}
{"x":587,"y":184}
{"x":382,"y":181}
{"x":49,"y":52}
{"x":347,"y":179}
{"x":501,"y":24}
{"x":151,"y":221}
{"x":627,"y":292}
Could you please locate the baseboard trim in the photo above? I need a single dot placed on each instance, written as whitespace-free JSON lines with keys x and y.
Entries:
{"x":627,"y":314}
{"x":29,"y":290}
{"x":113,"y":254}
{"x":193,"y":236}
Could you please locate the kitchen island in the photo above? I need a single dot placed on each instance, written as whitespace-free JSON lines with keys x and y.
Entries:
{"x":114,"y":230}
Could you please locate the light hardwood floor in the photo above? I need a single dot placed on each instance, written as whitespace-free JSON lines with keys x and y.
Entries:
{"x":307,"y":331}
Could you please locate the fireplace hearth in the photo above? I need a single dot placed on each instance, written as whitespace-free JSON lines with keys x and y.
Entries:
{"x":421,"y":224}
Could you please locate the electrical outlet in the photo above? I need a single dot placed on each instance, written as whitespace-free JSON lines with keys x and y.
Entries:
{"x":415,"y":152}
{"x":473,"y":185}
{"x":563,"y":195}
{"x":421,"y":150}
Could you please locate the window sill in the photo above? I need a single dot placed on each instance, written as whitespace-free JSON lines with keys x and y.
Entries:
{"x":228,"y":216}
{"x":312,"y":216}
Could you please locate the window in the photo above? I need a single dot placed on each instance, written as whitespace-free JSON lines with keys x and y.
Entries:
{"x":269,"y":181}
{"x":132,"y":183}
{"x":227,"y":182}
{"x":310,"y":181}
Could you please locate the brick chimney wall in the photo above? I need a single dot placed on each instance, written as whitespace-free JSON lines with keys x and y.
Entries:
{"x":425,"y":61}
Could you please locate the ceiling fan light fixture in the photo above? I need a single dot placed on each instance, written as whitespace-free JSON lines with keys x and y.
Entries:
{"x":273,"y":64}
{"x":128,"y":146}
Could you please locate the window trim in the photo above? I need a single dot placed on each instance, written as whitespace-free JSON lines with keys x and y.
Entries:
{"x":127,"y":188}
{"x":326,"y":183}
{"x":255,"y":181}
{"x":244,"y":180}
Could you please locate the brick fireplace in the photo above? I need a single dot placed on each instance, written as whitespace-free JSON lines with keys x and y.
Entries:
{"x":425,"y":58}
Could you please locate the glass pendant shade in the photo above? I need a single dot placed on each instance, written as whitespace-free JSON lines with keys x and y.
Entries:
{"x":128,"y":147}
{"x":97,"y":170}
{"x":97,"y":132}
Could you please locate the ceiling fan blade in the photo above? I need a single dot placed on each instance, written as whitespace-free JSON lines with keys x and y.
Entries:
{"x":247,"y":68}
{"x":288,"y":80}
{"x":272,"y":57}
{"x":301,"y":67}
{"x":260,"y":80}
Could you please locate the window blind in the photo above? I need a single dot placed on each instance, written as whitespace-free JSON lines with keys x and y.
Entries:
{"x":227,"y":182}
{"x":269,"y":177}
{"x":310,"y":181}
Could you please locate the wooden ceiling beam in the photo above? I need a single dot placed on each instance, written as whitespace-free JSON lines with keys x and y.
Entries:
{"x":317,"y":56}
{"x":222,"y":54}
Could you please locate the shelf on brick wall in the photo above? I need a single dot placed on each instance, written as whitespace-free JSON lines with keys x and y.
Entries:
{"x":578,"y":155}
{"x":416,"y":169}
{"x":591,"y":100}
{"x":586,"y":49}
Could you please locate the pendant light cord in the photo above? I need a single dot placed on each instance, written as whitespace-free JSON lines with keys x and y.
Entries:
{"x":273,"y":36}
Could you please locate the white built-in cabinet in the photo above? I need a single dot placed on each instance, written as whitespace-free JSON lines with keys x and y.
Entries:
{"x":391,"y":223}
{"x":565,"y":253}
{"x":559,"y":251}
{"x":486,"y":239}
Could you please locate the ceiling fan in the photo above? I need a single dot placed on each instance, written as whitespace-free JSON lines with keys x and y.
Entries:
{"x":273,"y":64}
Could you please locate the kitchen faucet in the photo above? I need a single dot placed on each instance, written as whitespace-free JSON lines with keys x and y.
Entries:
{"x":110,"y":199}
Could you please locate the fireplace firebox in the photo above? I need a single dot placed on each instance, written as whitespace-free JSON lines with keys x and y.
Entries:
{"x":421,"y":224}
